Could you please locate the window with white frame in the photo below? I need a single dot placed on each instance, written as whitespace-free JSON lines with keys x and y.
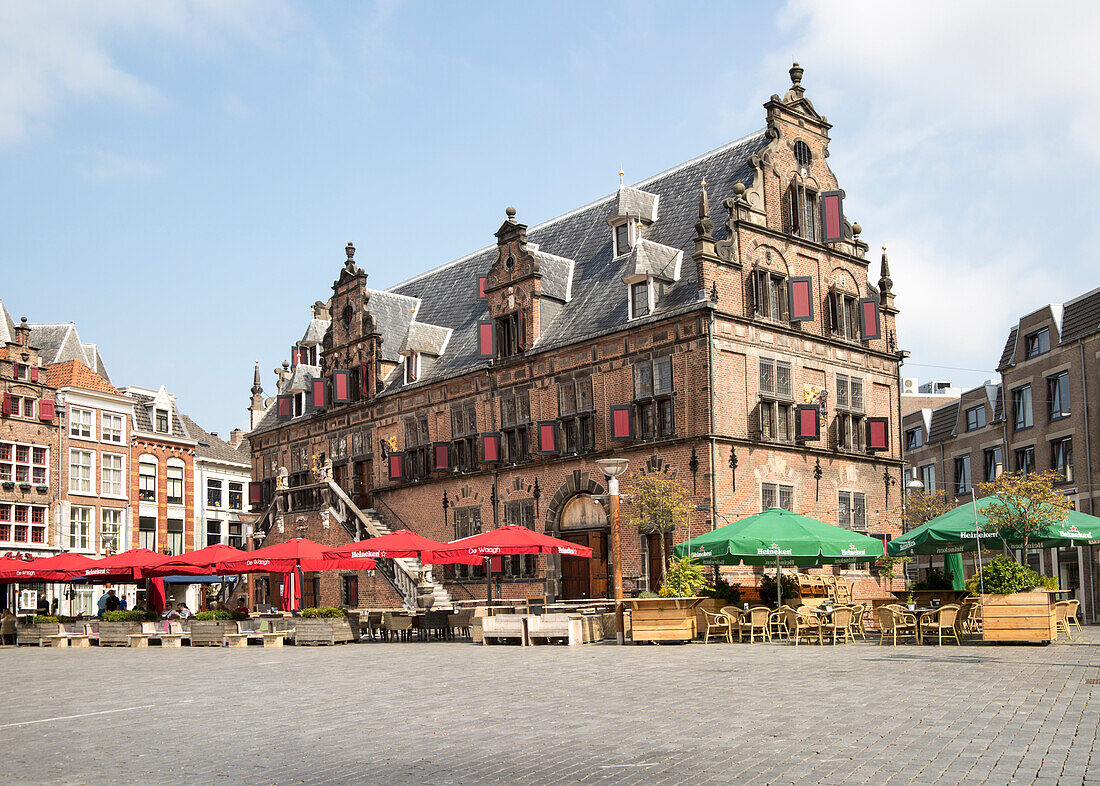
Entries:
{"x":147,"y":479}
{"x":236,"y":496}
{"x":639,"y":299}
{"x":622,"y":239}
{"x":147,"y":532}
{"x":213,"y":493}
{"x":174,"y":543}
{"x":852,"y":510}
{"x":23,"y":463}
{"x":914,"y":438}
{"x":110,"y":529}
{"x":850,"y":419}
{"x":80,"y":423}
{"x":80,"y":527}
{"x":776,"y":495}
{"x":81,"y":467}
{"x":776,"y":402}
{"x":113,"y":428}
{"x":928,"y":476}
{"x":213,"y":532}
{"x":22,"y":407}
{"x":160,"y":421}
{"x":112,"y":475}
{"x":769,"y":290}
{"x":22,"y":523}
{"x":299,"y":404}
{"x":174,"y":482}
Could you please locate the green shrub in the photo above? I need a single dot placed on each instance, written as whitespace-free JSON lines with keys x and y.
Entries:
{"x":1002,"y":576}
{"x":324,"y":612}
{"x":130,"y":615}
{"x":220,"y":614}
{"x":936,"y":580}
{"x":648,"y":594}
{"x":1049,"y":583}
{"x":683,"y":579}
{"x":768,"y":589}
{"x":47,"y":619}
{"x":729,"y":594}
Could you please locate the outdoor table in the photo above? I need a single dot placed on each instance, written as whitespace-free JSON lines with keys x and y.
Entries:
{"x":919,"y":613}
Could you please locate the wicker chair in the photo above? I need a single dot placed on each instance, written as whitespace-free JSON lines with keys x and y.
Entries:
{"x":1061,"y":618}
{"x":817,"y":586}
{"x":1071,"y":616}
{"x":895,"y":623}
{"x":857,"y":629}
{"x":802,"y":625}
{"x":460,"y":621}
{"x":941,"y":621}
{"x":843,"y":590}
{"x":805,"y":585}
{"x":838,"y":624}
{"x":399,"y":625}
{"x":756,"y":621}
{"x":734,"y":614}
{"x":717,"y":624}
{"x":777,"y":624}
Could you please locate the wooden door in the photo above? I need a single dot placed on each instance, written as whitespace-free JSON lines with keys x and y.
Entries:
{"x":585,"y":578}
{"x":365,"y":485}
{"x":597,"y":566}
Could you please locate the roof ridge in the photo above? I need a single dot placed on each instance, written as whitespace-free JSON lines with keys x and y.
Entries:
{"x":613,"y":195}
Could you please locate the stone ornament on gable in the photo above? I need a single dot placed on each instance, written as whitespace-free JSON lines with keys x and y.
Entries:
{"x":281,"y":478}
{"x":279,"y":525}
{"x":324,"y":519}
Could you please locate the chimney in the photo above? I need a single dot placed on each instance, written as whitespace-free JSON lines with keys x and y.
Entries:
{"x":236,"y":437}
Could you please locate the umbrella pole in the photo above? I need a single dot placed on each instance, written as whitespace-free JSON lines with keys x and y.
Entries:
{"x":294,"y":595}
{"x":778,"y":582}
{"x":978,"y":535}
{"x":488,"y":581}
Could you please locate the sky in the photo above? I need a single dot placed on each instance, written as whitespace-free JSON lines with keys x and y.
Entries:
{"x":180,"y":179}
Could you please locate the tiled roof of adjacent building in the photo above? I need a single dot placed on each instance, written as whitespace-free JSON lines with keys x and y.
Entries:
{"x":943,"y":422}
{"x":1081,"y":317}
{"x":73,"y":373}
{"x":1009,"y":351}
{"x":212,"y":447}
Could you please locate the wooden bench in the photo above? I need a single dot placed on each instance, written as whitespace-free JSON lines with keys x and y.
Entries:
{"x":556,"y":626}
{"x":77,"y":640}
{"x":276,"y":638}
{"x":504,"y":627}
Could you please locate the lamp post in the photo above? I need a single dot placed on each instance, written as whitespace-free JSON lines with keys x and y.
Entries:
{"x":613,"y":468}
{"x":912,"y":487}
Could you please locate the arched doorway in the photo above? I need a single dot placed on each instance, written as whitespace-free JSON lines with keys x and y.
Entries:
{"x":583,"y":520}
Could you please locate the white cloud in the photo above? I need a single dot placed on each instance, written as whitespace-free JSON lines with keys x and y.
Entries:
{"x":53,"y":52}
{"x":109,"y":165}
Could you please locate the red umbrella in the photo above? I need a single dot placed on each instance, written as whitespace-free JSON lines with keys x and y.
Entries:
{"x":16,"y":570}
{"x":289,"y":555}
{"x":59,"y":567}
{"x":156,"y":597}
{"x":402,"y":544}
{"x":513,"y":539}
{"x":203,"y":562}
{"x":124,"y":566}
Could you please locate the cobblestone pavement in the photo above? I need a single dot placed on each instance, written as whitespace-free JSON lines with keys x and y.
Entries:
{"x":461,"y":713}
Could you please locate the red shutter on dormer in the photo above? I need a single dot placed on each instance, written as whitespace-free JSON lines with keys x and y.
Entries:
{"x":490,"y":448}
{"x":45,"y":409}
{"x":341,"y":387}
{"x":285,"y":406}
{"x":801,"y":299}
{"x":34,"y":373}
{"x":295,"y":356}
{"x":486,"y":339}
{"x":255,"y":494}
{"x":363,"y":380}
{"x":807,"y":424}
{"x":548,"y":437}
{"x":521,"y":329}
{"x":319,"y":394}
{"x":868,"y":318}
{"x":832,"y":216}
{"x":441,"y":456}
{"x":877,"y":431}
{"x":482,"y":282}
{"x":396,"y":464}
{"x":622,"y":423}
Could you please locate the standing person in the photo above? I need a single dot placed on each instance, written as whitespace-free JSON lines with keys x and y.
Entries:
{"x":112,"y":601}
{"x":101,"y":605}
{"x":122,"y":603}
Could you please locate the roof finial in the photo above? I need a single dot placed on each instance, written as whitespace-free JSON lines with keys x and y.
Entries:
{"x":510,"y":212}
{"x":621,"y":173}
{"x":704,"y":227}
{"x":796,"y":75}
{"x":884,"y":272}
{"x":349,"y":249}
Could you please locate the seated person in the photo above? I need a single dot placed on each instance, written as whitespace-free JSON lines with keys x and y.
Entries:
{"x":242,"y":607}
{"x":182,"y":611}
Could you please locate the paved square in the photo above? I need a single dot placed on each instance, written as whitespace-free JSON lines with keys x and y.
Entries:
{"x":462,"y":713}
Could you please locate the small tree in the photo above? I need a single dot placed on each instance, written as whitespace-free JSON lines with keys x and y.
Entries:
{"x":659,"y":504}
{"x":921,"y":507}
{"x":1024,"y":504}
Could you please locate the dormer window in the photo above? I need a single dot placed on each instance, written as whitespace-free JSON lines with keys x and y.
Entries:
{"x":622,"y":239}
{"x":161,"y":421}
{"x":299,"y":404}
{"x":639,"y":299}
{"x":412,"y":367}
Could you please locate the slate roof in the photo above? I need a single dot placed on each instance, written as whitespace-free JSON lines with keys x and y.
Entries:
{"x":73,"y":373}
{"x":654,"y":259}
{"x":301,"y":379}
{"x":59,"y":342}
{"x":943,"y":422}
{"x":636,"y":203}
{"x":430,"y":339}
{"x":1009,"y":351}
{"x":1081,"y":317}
{"x":315,"y":333}
{"x":212,"y":447}
{"x":7,"y":326}
{"x":142,"y":422}
{"x":447,"y":296}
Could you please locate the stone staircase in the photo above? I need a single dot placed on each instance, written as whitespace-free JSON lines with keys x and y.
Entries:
{"x":413,"y":567}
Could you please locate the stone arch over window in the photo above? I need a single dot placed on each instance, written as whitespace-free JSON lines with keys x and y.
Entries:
{"x":576,"y":484}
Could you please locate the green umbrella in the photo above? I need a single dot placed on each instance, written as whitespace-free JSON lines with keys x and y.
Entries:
{"x":781,"y":538}
{"x":963,"y":528}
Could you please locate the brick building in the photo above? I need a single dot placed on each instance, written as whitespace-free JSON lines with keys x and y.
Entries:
{"x":749,"y":354}
{"x":1040,"y":416}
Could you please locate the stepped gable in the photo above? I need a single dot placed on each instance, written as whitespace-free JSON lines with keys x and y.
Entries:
{"x":449,"y":294}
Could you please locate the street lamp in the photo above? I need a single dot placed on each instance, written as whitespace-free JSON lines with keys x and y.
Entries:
{"x":613,"y":468}
{"x":912,"y":487}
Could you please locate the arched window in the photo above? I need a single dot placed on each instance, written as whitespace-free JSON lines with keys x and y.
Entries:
{"x":801,"y":210}
{"x":147,"y":478}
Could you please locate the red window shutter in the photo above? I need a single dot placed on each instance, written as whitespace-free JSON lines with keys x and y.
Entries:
{"x":548,"y":437}
{"x":801,"y":299}
{"x":295,"y":356}
{"x":877,"y":431}
{"x":396,"y":464}
{"x":410,"y":367}
{"x":482,"y":283}
{"x":793,"y":207}
{"x":34,"y":373}
{"x":807,"y":422}
{"x":622,"y":423}
{"x":832,"y":216}
{"x":45,"y":409}
{"x":486,"y":339}
{"x":7,"y":403}
{"x":834,"y":324}
{"x":255,"y":494}
{"x":341,"y":387}
{"x":495,"y":564}
{"x":363,"y":381}
{"x":441,"y":456}
{"x":319,"y":401}
{"x":285,"y":406}
{"x":490,"y":448}
{"x":868,"y":318}
{"x":521,"y":329}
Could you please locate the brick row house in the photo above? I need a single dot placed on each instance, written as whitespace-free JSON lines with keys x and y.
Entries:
{"x":1039,"y":416}
{"x":748,"y":354}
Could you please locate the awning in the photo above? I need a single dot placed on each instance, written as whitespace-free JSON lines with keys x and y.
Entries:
{"x":194,"y":579}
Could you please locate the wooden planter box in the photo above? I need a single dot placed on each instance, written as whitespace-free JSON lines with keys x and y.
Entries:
{"x":662,"y":619}
{"x":1022,"y":616}
{"x":321,"y":631}
{"x":36,"y":634}
{"x":117,"y":634}
{"x":211,"y":633}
